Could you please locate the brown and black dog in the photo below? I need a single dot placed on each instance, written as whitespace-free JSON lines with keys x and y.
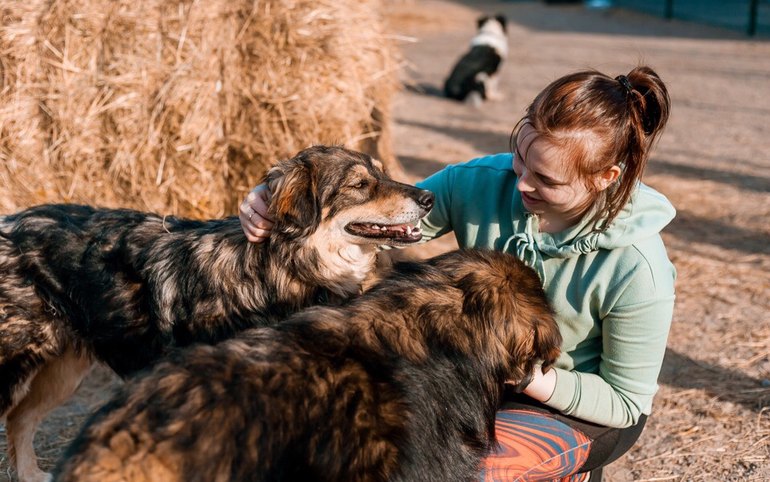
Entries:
{"x":400,"y":384}
{"x":80,"y":284}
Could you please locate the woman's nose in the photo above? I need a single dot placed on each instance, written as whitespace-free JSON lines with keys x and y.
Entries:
{"x":524,"y":184}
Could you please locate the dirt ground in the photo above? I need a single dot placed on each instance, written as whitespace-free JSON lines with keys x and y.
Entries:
{"x":711,"y":418}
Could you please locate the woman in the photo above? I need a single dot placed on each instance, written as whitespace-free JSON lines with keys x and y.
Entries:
{"x":569,"y":202}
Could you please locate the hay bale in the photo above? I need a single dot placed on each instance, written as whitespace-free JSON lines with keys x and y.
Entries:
{"x":180,"y":106}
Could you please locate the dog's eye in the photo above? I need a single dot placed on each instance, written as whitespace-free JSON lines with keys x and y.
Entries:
{"x":359,"y":185}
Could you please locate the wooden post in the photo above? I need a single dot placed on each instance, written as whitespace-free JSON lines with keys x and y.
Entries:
{"x":753,"y":12}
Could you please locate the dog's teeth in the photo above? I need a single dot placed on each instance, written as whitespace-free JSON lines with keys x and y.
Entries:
{"x":374,"y":226}
{"x":383,"y":228}
{"x":409,"y":230}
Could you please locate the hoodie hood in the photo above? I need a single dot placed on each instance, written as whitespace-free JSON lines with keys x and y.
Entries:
{"x":645,"y":215}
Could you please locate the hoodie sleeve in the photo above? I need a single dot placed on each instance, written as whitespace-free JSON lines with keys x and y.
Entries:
{"x":459,"y":190}
{"x":634,"y":334}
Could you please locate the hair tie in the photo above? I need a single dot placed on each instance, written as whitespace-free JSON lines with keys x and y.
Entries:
{"x":625,"y":83}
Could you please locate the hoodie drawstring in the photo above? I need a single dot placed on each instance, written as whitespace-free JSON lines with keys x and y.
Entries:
{"x":526,"y":247}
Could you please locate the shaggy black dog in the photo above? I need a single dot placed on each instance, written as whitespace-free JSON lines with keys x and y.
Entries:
{"x":122,"y":287}
{"x":400,"y":384}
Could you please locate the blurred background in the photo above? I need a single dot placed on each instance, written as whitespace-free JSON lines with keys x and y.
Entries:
{"x":750,"y":16}
{"x":179,"y":107}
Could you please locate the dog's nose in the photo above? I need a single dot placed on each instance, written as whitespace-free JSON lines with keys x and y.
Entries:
{"x":425,"y":199}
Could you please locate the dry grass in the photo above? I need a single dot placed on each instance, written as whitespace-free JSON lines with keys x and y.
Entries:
{"x":179,"y":106}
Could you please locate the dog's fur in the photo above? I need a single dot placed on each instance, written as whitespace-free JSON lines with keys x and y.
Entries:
{"x":475,"y":76}
{"x":401,"y":383}
{"x":123,"y":287}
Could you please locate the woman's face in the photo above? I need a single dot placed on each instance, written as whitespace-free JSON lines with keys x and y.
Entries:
{"x":546,"y":187}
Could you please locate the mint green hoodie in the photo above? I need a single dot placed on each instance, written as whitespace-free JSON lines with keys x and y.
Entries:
{"x":613,"y":291}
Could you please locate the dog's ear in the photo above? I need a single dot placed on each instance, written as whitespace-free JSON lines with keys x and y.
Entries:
{"x":502,"y":20}
{"x":294,"y":203}
{"x":481,"y":21}
{"x":547,"y":339}
{"x":534,"y":336}
{"x":509,"y":295}
{"x":493,"y":311}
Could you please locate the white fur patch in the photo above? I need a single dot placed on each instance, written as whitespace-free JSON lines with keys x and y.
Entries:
{"x":343,"y":264}
{"x":492,"y":35}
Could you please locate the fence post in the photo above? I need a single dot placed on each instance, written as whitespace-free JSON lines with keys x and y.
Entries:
{"x":753,"y":12}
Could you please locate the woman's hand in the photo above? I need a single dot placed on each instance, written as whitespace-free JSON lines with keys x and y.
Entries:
{"x":253,"y":214}
{"x":542,"y":385}
{"x":537,"y":385}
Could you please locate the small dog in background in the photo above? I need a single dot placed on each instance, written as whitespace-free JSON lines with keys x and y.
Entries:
{"x":474,"y":77}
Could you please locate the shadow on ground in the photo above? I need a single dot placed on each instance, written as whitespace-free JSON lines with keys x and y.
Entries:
{"x":425,"y":88}
{"x":739,"y":180}
{"x":480,"y":139}
{"x":727,"y":385}
{"x":698,"y":229}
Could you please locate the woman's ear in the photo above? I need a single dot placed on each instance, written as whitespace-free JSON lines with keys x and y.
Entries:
{"x":608,"y":177}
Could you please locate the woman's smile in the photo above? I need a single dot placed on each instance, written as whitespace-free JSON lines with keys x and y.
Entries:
{"x":529,"y":200}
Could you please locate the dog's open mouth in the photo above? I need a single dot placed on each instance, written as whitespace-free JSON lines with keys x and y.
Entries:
{"x":403,"y":233}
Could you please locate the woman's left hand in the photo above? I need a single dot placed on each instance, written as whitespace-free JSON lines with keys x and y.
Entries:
{"x":542,"y":385}
{"x":253,"y":214}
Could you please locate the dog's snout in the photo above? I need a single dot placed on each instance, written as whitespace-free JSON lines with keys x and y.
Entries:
{"x":425,"y":199}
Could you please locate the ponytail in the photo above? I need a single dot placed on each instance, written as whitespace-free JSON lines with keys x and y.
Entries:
{"x":647,"y":113}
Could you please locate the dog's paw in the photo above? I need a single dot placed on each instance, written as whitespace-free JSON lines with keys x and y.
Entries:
{"x":475,"y":99}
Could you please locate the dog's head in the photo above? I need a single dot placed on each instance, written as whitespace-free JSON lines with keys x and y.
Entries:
{"x":497,"y":23}
{"x":348,"y":195}
{"x":504,"y":303}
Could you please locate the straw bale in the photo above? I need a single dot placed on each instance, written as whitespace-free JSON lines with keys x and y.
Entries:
{"x":180,"y":106}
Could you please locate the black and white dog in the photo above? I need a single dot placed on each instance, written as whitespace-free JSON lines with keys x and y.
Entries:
{"x":475,"y":76}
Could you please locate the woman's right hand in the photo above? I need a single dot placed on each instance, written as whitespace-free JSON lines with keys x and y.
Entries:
{"x":253,"y":214}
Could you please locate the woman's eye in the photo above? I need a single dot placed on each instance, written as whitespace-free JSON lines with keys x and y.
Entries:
{"x":549,"y":182}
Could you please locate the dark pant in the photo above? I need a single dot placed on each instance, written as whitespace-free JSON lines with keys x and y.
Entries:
{"x":607,"y":444}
